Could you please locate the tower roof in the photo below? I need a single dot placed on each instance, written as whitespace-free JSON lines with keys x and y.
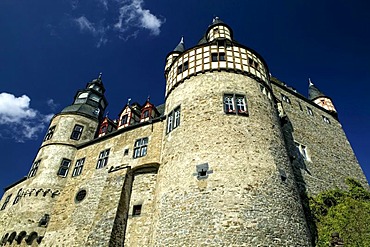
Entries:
{"x":181,"y":46}
{"x":313,"y":91}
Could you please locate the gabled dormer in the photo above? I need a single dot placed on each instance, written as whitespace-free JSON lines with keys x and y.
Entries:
{"x":148,"y":111}
{"x":129,"y":115}
{"x":106,"y":127}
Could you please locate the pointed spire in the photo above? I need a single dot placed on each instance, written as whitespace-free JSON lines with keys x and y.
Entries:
{"x":313,"y":91}
{"x":181,"y":46}
{"x":128,"y":101}
{"x":100,"y":75}
{"x":216,"y":20}
{"x":148,"y":99}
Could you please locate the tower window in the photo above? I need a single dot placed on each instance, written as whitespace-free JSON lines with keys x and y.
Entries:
{"x":136,"y":210}
{"x":103,"y":159}
{"x":285,"y":98}
{"x":309,"y":111}
{"x":78,"y":167}
{"x":173,"y":120}
{"x":49,"y":134}
{"x":17,"y":197}
{"x":302,"y":150}
{"x":141,"y":147}
{"x":64,"y":167}
{"x":77,"y":131}
{"x":34,"y":168}
{"x":125,"y":153}
{"x":183,"y":67}
{"x":7,"y":199}
{"x":326,"y":119}
{"x":253,"y":63}
{"x":235,"y":104}
{"x":218,"y":57}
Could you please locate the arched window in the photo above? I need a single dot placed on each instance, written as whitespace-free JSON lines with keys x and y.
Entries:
{"x":12,"y":237}
{"x":31,"y":238}
{"x":4,"y":239}
{"x":20,"y":237}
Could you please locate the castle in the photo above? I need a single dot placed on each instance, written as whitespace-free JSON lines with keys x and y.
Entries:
{"x":222,"y":162}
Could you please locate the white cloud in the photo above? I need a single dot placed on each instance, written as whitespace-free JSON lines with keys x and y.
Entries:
{"x":18,"y":121}
{"x":124,"y":19}
{"x":132,"y":14}
{"x":52,"y":104}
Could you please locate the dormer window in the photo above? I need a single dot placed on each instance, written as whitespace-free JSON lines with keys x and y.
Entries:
{"x":145,"y":113}
{"x":124,"y":119}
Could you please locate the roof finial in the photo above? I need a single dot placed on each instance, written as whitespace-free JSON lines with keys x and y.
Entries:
{"x":148,"y":99}
{"x":128,"y":101}
{"x":182,"y":39}
{"x":100,"y":75}
{"x":106,"y":115}
{"x":310,"y":82}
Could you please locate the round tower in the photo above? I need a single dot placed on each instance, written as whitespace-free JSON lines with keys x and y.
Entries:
{"x":225,"y":178}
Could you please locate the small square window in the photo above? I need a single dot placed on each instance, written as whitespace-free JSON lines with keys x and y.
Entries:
{"x":285,"y":98}
{"x":214,"y":57}
{"x":125,"y":153}
{"x":77,"y":131}
{"x":302,"y":150}
{"x":136,"y":210}
{"x":326,"y":119}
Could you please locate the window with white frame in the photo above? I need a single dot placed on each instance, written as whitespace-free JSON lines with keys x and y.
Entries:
{"x":265,"y":91}
{"x":34,"y":168}
{"x":50,"y":133}
{"x":302,"y":150}
{"x":103,"y":159}
{"x":140,"y":147}
{"x":173,"y":120}
{"x":285,"y":98}
{"x":235,"y":104}
{"x":7,"y":199}
{"x":64,"y":168}
{"x":309,"y":111}
{"x":326,"y":119}
{"x":77,"y":132}
{"x":78,"y":167}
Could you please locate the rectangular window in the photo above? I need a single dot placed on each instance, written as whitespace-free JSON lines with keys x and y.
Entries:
{"x":77,"y":131}
{"x":309,"y":111}
{"x":326,"y":119}
{"x":182,"y":67}
{"x":302,"y":150}
{"x":235,"y":104}
{"x":7,"y":199}
{"x":141,"y":147}
{"x":214,"y":57}
{"x":103,"y":159}
{"x":173,"y":120}
{"x":49,"y":134}
{"x":253,"y":63}
{"x":78,"y":167}
{"x":218,"y":57}
{"x":17,"y":197}
{"x":124,"y":119}
{"x":34,"y":168}
{"x":285,"y":98}
{"x":136,"y":210}
{"x":64,"y":167}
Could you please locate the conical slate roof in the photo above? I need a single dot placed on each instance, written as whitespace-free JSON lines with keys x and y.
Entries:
{"x":314,"y":92}
{"x":181,"y":46}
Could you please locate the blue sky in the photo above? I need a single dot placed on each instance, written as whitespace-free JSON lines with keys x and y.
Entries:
{"x":49,"y":49}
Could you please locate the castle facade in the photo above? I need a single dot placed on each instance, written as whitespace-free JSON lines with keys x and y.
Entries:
{"x":223,"y":162}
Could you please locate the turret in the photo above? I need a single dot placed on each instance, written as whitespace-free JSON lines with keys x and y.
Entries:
{"x":90,"y":101}
{"x":174,"y":54}
{"x":224,"y":166}
{"x":315,"y":95}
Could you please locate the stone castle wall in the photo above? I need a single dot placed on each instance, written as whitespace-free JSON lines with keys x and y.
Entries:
{"x":244,"y":201}
{"x":330,"y":158}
